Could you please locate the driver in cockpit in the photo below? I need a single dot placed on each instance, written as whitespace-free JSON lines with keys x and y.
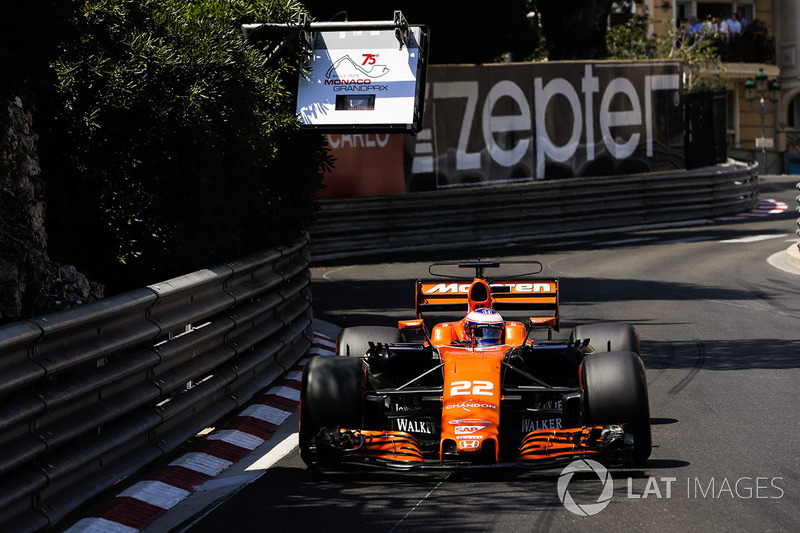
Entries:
{"x":484,"y":327}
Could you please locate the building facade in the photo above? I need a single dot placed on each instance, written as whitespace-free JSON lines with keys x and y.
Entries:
{"x":771,"y":45}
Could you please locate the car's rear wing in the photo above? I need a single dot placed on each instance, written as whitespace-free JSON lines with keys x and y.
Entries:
{"x":539,"y":297}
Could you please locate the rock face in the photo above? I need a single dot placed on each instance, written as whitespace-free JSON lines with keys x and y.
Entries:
{"x":31,"y":284}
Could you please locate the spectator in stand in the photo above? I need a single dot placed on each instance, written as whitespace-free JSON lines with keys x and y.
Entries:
{"x":720,"y":26}
{"x":756,"y":38}
{"x":723,"y":35}
{"x":742,"y":20}
{"x":761,"y":44}
{"x":694,"y":25}
{"x":735,"y":44}
{"x":734,"y":26}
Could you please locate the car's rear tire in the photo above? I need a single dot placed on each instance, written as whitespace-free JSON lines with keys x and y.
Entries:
{"x":354,"y":341}
{"x":331,"y":396}
{"x":608,"y":337}
{"x":615,"y":392}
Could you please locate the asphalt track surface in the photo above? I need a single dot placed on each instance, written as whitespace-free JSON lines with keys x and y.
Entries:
{"x":718,"y":312}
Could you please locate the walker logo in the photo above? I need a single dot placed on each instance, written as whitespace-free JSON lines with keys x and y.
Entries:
{"x":585,"y":509}
{"x":529,"y":425}
{"x":414,"y":426}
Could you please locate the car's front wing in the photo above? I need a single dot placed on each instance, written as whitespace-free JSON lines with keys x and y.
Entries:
{"x":544,"y":448}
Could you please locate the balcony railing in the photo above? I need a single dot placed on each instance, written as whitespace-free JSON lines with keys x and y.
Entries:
{"x":747,"y":48}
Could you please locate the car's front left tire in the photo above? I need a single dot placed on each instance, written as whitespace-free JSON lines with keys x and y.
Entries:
{"x":354,"y":341}
{"x":331,"y":396}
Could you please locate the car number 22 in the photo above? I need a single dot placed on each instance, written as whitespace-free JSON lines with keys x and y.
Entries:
{"x":471,"y":388}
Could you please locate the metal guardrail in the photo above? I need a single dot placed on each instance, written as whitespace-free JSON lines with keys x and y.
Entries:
{"x":476,"y":217}
{"x":91,"y":395}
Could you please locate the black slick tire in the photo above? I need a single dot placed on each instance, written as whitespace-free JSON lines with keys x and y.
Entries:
{"x":608,"y":337}
{"x":331,"y":396}
{"x":615,"y":392}
{"x":354,"y":341}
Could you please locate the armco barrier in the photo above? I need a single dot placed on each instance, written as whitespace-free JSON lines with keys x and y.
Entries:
{"x":90,"y":395}
{"x":475,"y":217}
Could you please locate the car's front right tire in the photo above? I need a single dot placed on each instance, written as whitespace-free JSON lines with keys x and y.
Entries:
{"x":615,"y":392}
{"x":607,"y":337}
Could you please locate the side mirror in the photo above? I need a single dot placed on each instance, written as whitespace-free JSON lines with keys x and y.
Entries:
{"x":416,"y":326}
{"x":410,"y":324}
{"x":542,"y":322}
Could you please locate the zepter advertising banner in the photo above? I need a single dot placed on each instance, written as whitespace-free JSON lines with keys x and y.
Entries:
{"x":533,"y":121}
{"x":364,"y":80}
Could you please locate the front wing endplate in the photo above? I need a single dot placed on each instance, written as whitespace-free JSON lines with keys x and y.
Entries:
{"x":546,"y":445}
{"x":393,"y":449}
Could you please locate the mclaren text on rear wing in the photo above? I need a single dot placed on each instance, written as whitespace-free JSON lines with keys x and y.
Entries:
{"x":537,"y":296}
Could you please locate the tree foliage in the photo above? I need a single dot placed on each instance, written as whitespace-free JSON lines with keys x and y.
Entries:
{"x":698,"y":51}
{"x":174,"y":148}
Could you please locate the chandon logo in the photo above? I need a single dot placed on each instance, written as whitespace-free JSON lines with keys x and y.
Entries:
{"x":585,"y":465}
{"x":469,"y":404}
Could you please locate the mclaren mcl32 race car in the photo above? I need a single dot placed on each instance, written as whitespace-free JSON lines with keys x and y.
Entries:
{"x":477,"y":391}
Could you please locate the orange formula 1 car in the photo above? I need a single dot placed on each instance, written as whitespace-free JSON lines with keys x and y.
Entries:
{"x":478,"y":391}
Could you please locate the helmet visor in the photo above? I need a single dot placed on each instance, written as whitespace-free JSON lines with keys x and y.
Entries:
{"x":487,"y":334}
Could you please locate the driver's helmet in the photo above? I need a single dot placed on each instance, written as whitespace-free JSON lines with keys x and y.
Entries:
{"x":484,"y":326}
